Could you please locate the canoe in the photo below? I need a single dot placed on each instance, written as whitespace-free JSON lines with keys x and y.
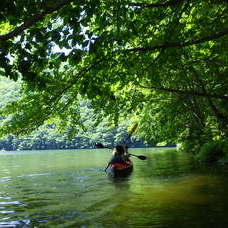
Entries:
{"x":119,"y":170}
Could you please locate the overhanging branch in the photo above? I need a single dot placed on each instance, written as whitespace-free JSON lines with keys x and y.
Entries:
{"x":155,"y":5}
{"x":186,"y":92}
{"x":60,"y":4}
{"x":180,"y":44}
{"x":37,"y":17}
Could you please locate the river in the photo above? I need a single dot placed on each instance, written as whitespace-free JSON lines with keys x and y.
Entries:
{"x":69,"y":189}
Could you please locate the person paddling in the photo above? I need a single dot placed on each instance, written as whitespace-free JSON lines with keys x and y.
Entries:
{"x":118,"y":156}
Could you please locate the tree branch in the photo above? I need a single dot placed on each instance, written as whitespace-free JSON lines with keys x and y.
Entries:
{"x":155,"y":5}
{"x":34,"y":19}
{"x":180,"y":44}
{"x":186,"y":92}
{"x":222,"y":120}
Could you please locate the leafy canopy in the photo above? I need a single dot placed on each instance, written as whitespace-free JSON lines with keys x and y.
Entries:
{"x":161,"y":63}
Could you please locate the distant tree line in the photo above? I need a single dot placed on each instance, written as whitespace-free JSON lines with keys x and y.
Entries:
{"x":48,"y":139}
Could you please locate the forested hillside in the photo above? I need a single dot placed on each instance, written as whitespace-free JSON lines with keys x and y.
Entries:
{"x":49,"y":136}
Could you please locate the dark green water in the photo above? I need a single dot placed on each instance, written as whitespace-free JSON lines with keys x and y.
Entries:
{"x":69,"y":189}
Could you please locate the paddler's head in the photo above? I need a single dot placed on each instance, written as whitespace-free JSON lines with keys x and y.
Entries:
{"x":118,"y":150}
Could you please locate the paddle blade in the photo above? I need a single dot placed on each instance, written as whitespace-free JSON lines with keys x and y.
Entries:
{"x":99,"y":145}
{"x":133,"y":129}
{"x":142,"y":157}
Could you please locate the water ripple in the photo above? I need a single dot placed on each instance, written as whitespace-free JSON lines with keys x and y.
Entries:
{"x":5,"y":197}
{"x":5,"y":179}
{"x":34,"y":175}
{"x":12,"y":203}
{"x":7,"y":212}
{"x":13,"y":224}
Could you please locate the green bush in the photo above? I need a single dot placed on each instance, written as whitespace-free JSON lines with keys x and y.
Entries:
{"x":212,"y":151}
{"x":189,"y":146}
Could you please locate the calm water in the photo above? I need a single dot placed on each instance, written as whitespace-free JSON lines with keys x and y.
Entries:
{"x":69,"y":189}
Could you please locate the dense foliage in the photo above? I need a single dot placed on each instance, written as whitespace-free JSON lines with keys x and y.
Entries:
{"x":163,"y":64}
{"x":49,"y":136}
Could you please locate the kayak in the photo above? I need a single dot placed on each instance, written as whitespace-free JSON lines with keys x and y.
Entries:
{"x":116,"y":170}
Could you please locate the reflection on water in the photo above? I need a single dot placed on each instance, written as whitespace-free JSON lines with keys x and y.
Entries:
{"x":70,"y":189}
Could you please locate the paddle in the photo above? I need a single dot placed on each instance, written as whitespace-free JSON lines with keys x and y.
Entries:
{"x":100,"y":146}
{"x":131,"y":132}
{"x":141,"y":157}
